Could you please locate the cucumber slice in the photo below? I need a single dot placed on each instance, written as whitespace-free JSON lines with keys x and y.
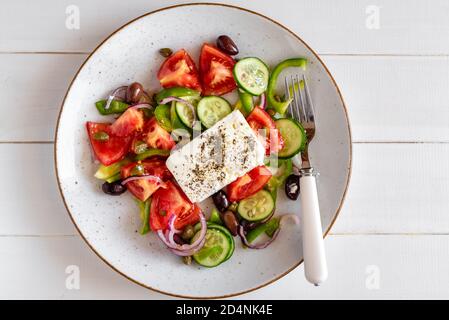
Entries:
{"x":175,"y":121}
{"x":294,"y":137}
{"x":252,"y":74}
{"x":212,"y":109}
{"x":185,"y":114}
{"x":228,"y":234}
{"x":215,"y":250}
{"x":256,"y":207}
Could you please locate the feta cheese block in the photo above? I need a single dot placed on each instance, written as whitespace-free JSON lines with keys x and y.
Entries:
{"x":216,"y":157}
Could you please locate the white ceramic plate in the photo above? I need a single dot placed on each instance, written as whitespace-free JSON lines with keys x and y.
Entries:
{"x":109,"y":224}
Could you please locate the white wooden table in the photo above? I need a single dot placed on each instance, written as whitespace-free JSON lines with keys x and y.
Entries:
{"x":390,"y":58}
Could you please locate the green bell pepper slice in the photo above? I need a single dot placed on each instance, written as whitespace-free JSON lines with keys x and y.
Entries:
{"x":144,"y":207}
{"x":151,"y":153}
{"x":176,"y":92}
{"x":281,"y":106}
{"x":162,"y":114}
{"x":215,"y":217}
{"x":268,"y":228}
{"x":115,"y":107}
{"x":109,"y":173}
{"x":247,"y":101}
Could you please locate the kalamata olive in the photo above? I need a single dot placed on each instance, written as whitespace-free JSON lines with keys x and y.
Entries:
{"x":225,"y":44}
{"x":178,"y":239}
{"x":114,"y":188}
{"x":292,"y":186}
{"x":134,"y":93}
{"x":230,"y":222}
{"x":221,"y":201}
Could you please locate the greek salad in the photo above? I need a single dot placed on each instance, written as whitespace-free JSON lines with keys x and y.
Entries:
{"x":188,"y":142}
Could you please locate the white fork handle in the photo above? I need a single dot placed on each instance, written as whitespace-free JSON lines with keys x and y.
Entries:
{"x":315,"y":267}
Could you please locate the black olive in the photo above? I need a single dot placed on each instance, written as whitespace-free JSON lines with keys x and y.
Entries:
{"x":134,"y":92}
{"x":247,"y":225}
{"x":230,"y":222}
{"x":177,"y":238}
{"x":114,"y":188}
{"x":221,"y":201}
{"x":225,"y":44}
{"x":292,"y":186}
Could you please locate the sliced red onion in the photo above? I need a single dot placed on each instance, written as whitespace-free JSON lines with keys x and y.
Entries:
{"x":263,"y":101}
{"x":282,"y":223}
{"x":190,"y":252}
{"x":186,"y":247}
{"x":141,"y":106}
{"x":145,"y":177}
{"x":116,"y":95}
{"x":293,"y":217}
{"x":187,"y":103}
{"x":260,"y":245}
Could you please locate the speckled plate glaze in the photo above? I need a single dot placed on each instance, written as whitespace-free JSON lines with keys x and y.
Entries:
{"x":109,"y":224}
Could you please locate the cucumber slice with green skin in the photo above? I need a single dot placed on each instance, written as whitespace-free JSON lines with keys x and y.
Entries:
{"x":185,"y":114}
{"x":212,"y":109}
{"x":252,"y":74}
{"x":294,"y":137}
{"x":228,"y":234}
{"x":175,"y":121}
{"x":215,"y":250}
{"x":256,"y":207}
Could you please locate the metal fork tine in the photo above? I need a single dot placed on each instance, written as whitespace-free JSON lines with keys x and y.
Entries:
{"x":296,"y":113}
{"x":287,"y":95}
{"x":310,"y":109}
{"x":303,"y":102}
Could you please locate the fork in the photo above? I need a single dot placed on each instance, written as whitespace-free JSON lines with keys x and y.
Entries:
{"x":301,"y":109}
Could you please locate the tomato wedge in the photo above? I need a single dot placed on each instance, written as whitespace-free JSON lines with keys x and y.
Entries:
{"x":154,"y":136}
{"x":128,"y":123}
{"x":179,"y":70}
{"x":143,"y":189}
{"x":248,"y":184}
{"x":216,"y":71}
{"x":107,"y":151}
{"x":258,"y":119}
{"x":172,"y":201}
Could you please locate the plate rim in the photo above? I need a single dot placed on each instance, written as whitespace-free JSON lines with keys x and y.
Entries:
{"x":55,"y":148}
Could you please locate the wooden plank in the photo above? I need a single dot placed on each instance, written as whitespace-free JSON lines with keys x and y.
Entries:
{"x":32,"y":89}
{"x":347,"y":26}
{"x":35,"y":267}
{"x":395,"y":188}
{"x":388,"y":98}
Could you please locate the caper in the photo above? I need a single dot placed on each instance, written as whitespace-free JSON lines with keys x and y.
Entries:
{"x":188,"y":233}
{"x":225,"y":44}
{"x":138,"y":170}
{"x":230,"y":222}
{"x":187,"y":260}
{"x":101,"y":136}
{"x":165,"y":52}
{"x":114,"y":188}
{"x":134,"y":92}
{"x":292,"y":186}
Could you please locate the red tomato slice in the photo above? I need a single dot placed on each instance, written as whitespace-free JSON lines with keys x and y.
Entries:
{"x":172,"y":201}
{"x":179,"y":70}
{"x":216,"y":71}
{"x":157,"y":137}
{"x":129,"y":122}
{"x":110,"y":151}
{"x":259,"y":119}
{"x":143,"y":189}
{"x":248,"y":184}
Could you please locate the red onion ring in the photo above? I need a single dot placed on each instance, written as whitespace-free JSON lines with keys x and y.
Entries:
{"x":115,"y":95}
{"x":141,"y":106}
{"x":189,"y":252}
{"x":282,"y":222}
{"x":242,"y":235}
{"x":145,"y":177}
{"x":187,"y":103}
{"x":186,"y":247}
